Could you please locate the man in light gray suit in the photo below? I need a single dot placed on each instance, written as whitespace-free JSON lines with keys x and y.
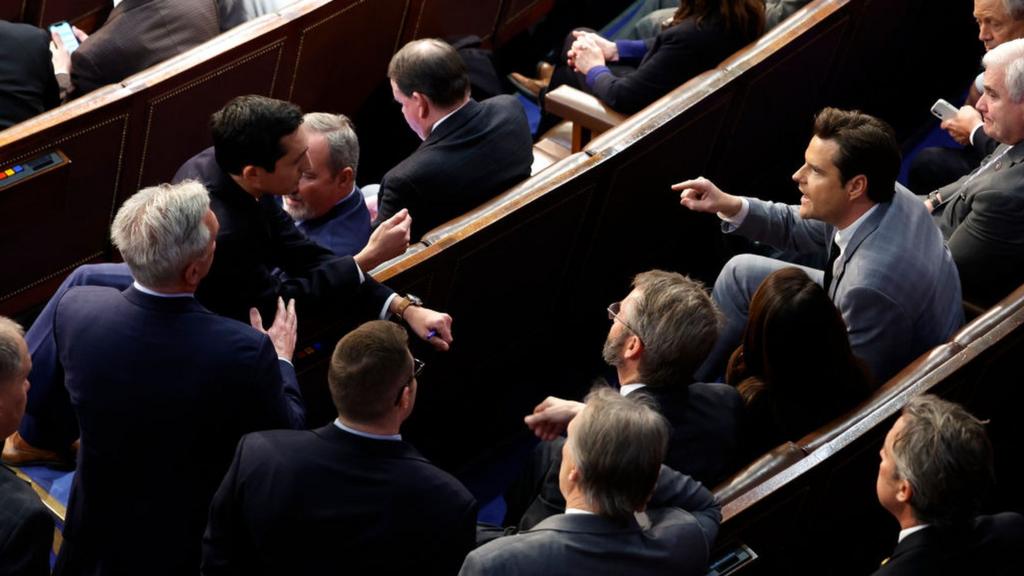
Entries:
{"x":889,"y":272}
{"x":625,"y":512}
{"x":981,"y":215}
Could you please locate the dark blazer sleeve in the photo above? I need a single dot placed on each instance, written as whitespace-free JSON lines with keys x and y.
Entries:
{"x":26,"y":529}
{"x":274,"y":400}
{"x":677,"y":55}
{"x":85,"y":74}
{"x":678,"y":490}
{"x":395,"y":193}
{"x":987,"y":243}
{"x":223,"y":542}
{"x":982,"y":145}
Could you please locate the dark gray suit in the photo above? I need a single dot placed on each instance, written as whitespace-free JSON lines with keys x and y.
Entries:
{"x":895,"y":284}
{"x":982,"y":219}
{"x":673,"y":537}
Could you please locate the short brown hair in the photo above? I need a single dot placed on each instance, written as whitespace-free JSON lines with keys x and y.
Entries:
{"x":618,"y":443}
{"x":867,"y":146}
{"x":678,"y":324}
{"x":432,"y":68}
{"x":368,"y":367}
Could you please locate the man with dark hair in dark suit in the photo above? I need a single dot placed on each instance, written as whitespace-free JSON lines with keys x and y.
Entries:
{"x":137,"y":34}
{"x":660,"y":333}
{"x":26,"y":527}
{"x":351,"y":496}
{"x":27,"y":85}
{"x":935,"y":470}
{"x":163,"y":389}
{"x":471,"y":152}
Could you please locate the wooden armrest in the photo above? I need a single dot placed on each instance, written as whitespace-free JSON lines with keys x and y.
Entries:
{"x":589,"y":116}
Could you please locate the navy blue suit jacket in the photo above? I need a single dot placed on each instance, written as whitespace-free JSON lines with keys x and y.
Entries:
{"x":163,"y":389}
{"x":479,"y":152}
{"x":326,"y":501}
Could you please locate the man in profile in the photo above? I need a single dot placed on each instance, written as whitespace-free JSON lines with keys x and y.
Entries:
{"x":327,"y":206}
{"x":887,"y":268}
{"x":935,"y":470}
{"x":26,"y":527}
{"x":350,"y":496}
{"x":624,"y":511}
{"x":659,"y":334}
{"x":471,"y":152}
{"x":162,"y":389}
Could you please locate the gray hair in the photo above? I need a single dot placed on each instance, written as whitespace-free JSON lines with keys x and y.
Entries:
{"x":1015,"y":8}
{"x":1010,"y":57}
{"x":678,"y":324}
{"x":11,"y":334}
{"x":160,"y":231}
{"x":945,"y":455}
{"x":341,"y":139}
{"x":618,"y":444}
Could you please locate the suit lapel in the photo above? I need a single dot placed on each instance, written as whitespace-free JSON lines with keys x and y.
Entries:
{"x":866,"y":228}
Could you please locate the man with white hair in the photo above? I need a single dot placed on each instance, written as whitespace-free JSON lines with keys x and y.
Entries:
{"x":981,"y":215}
{"x":163,"y":389}
{"x":998,"y":21}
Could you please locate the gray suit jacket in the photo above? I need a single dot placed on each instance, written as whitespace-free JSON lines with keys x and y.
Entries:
{"x":895,"y":284}
{"x":673,"y":537}
{"x":983,"y":223}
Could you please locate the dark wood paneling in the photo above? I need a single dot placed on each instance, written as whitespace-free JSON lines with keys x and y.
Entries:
{"x":445,"y":18}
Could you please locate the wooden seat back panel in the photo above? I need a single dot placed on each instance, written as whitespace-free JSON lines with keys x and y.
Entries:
{"x":447,"y":18}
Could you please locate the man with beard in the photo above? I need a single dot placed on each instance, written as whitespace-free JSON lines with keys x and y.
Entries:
{"x":661,"y":332}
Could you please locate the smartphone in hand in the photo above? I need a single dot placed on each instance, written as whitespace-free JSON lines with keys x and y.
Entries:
{"x":67,"y":35}
{"x":944,"y":110}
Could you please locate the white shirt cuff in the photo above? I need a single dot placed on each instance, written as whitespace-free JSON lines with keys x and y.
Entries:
{"x":737,"y":218}
{"x":387,"y":306}
{"x":285,"y":360}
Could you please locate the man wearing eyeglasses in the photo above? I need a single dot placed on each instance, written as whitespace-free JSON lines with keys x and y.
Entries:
{"x":349,"y":496}
{"x":660,"y":334}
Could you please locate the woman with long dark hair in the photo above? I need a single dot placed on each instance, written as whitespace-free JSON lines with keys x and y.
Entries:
{"x":794,"y":369}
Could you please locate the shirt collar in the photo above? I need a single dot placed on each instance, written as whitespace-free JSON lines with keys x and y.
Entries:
{"x":391,"y":437}
{"x":447,"y":116}
{"x":626,"y":389}
{"x":908,"y":531}
{"x":843,"y":236}
{"x":578,"y":511}
{"x":151,"y":292}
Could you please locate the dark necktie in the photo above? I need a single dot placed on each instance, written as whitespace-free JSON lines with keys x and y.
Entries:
{"x":833,"y":255}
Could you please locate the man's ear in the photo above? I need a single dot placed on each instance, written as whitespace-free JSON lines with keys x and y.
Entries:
{"x":423,"y":104}
{"x":633,"y":347}
{"x":857,"y":187}
{"x":192,"y":274}
{"x":345,"y":178}
{"x":905,"y":492}
{"x":252,"y":173}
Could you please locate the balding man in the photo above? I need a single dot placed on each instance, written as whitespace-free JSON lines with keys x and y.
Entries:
{"x":471,"y":152}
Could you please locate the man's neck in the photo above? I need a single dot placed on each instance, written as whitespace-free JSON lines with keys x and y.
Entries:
{"x":855,"y":213}
{"x":627,"y":373}
{"x":443,"y":115}
{"x":378,"y":428}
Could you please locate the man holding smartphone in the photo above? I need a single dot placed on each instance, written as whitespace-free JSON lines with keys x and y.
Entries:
{"x":137,"y":34}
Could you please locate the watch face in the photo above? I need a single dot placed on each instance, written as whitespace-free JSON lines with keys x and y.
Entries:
{"x":414,"y":300}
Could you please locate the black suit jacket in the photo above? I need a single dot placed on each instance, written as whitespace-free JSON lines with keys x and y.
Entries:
{"x":257,"y":237}
{"x":139,"y":34}
{"x":479,"y":152}
{"x":673,"y":57}
{"x":163,"y":389}
{"x":990,"y":546}
{"x":704,"y":443}
{"x":27,"y":85}
{"x":327,"y":501}
{"x":26,"y":528}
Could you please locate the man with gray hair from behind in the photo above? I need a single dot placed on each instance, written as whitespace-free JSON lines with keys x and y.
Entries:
{"x":625,"y":512}
{"x":26,"y":527}
{"x":162,"y":389}
{"x":935,"y":471}
{"x":981,"y":215}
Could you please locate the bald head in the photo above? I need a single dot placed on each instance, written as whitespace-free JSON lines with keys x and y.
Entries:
{"x":432,"y":68}
{"x":15,"y":365}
